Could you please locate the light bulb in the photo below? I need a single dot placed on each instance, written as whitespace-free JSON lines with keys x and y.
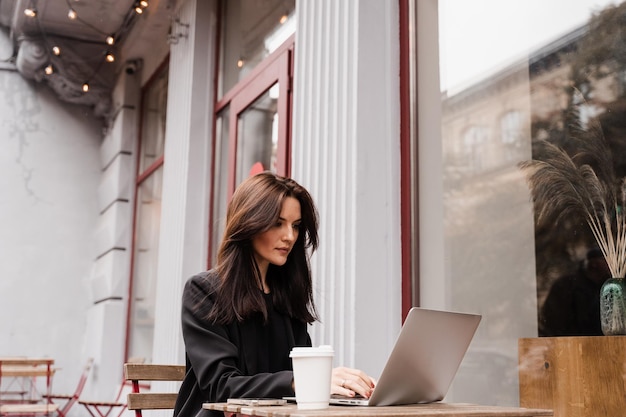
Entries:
{"x":110,"y":57}
{"x":56,"y":50}
{"x":283,"y":19}
{"x":110,"y":40}
{"x":30,"y":12}
{"x":71,"y":14}
{"x":138,"y":10}
{"x":143,"y":3}
{"x":240,"y":63}
{"x":49,"y":69}
{"x":85,"y":87}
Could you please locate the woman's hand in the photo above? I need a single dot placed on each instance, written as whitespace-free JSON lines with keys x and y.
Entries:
{"x":348,"y":381}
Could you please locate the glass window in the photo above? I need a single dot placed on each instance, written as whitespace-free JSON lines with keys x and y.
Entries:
{"x":145,"y":263}
{"x":153,"y":112}
{"x":510,"y":74}
{"x":252,"y":31}
{"x":475,"y":140}
{"x":253,"y":115}
{"x":511,"y":125}
{"x":220,"y":180}
{"x":147,"y":217}
{"x":257,"y":133}
{"x":512,"y":135}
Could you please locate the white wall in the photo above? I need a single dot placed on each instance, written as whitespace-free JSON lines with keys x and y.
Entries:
{"x":183,"y":245}
{"x":49,"y":174}
{"x":109,"y":279}
{"x":346,"y":148}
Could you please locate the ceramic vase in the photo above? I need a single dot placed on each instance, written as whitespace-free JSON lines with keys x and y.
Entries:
{"x":613,"y":306}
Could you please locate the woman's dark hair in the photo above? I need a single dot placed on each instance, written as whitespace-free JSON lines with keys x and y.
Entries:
{"x":254,"y":208}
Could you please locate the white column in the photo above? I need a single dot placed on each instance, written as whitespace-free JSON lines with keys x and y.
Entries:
{"x":346,"y":151}
{"x":433,"y":292}
{"x":184,"y":217}
{"x":108,"y":284}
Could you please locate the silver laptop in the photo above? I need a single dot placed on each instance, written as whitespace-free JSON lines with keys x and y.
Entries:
{"x":424,"y":360}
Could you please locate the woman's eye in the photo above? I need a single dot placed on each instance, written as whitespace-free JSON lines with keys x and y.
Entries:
{"x":296,"y":226}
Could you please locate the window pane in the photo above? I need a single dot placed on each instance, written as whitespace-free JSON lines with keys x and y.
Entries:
{"x":512,"y":135}
{"x":145,"y":265}
{"x":220,"y":180}
{"x":253,"y":30}
{"x":512,"y":73}
{"x":154,"y":109}
{"x":257,"y":135}
{"x":147,"y":217}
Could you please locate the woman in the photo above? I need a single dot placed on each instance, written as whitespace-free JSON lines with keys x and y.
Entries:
{"x":241,"y":319}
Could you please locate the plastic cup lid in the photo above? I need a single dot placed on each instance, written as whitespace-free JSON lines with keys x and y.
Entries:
{"x":321,"y":350}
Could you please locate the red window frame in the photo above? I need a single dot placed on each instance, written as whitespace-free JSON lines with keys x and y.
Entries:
{"x":408,"y":185}
{"x":140,"y":177}
{"x":276,"y":68}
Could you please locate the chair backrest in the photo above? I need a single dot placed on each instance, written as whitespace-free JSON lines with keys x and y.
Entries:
{"x":136,"y":373}
{"x":79,"y":389}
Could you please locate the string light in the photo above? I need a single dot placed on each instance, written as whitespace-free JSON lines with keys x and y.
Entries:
{"x":140,"y":5}
{"x":239,"y":63}
{"x":283,"y":19}
{"x":109,"y":40}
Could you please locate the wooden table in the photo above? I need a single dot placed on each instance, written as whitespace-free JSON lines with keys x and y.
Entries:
{"x":23,"y":372}
{"x":25,"y":360}
{"x":578,"y":376}
{"x":421,"y":410}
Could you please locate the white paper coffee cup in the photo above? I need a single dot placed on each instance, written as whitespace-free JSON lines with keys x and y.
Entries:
{"x":312,"y":373}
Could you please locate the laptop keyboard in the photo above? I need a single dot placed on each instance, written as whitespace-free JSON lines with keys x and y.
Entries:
{"x":340,"y":397}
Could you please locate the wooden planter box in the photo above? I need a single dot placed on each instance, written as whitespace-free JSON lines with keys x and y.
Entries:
{"x":575,"y":376}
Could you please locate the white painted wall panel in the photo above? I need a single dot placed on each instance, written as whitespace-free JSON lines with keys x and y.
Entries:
{"x":121,"y":137}
{"x":126,"y":92}
{"x":183,"y":246}
{"x":49,"y":172}
{"x":114,"y":228}
{"x":109,"y":277}
{"x":116,"y":183}
{"x":346,"y":151}
{"x":104,"y":341}
{"x":110,"y":272}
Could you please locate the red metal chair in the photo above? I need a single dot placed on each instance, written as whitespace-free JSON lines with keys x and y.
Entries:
{"x":141,"y":376}
{"x":71,"y":399}
{"x":111,"y":408}
{"x":105,"y":408}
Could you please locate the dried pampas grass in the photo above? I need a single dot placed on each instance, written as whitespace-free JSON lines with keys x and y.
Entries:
{"x":583,"y":184}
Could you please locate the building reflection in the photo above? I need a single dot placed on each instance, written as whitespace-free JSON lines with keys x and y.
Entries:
{"x":489,"y":127}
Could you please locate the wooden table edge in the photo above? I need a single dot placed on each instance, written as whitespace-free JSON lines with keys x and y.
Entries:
{"x":463,"y":409}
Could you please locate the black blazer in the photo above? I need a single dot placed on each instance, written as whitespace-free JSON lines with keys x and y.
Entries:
{"x":221,"y":359}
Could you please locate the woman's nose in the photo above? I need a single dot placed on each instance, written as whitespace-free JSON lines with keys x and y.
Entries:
{"x":289,"y":234}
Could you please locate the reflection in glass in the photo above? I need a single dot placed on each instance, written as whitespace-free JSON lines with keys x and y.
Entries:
{"x":145,"y":265}
{"x":512,"y":134}
{"x":526,"y":86}
{"x":593,"y":98}
{"x":257,"y":135}
{"x":253,"y":29}
{"x":153,"y":118}
{"x":476,"y":139}
{"x":220,"y":180}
